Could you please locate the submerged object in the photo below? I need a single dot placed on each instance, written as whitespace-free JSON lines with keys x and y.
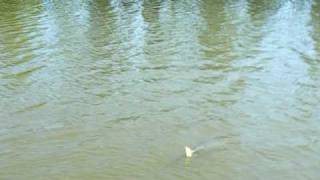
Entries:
{"x":188,"y":151}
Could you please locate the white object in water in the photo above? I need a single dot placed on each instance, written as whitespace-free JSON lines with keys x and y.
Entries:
{"x":188,"y":151}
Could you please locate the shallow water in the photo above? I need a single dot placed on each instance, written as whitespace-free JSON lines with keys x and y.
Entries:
{"x":98,"y":89}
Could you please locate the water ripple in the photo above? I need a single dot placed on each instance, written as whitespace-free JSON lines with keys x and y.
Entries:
{"x":101,"y":89}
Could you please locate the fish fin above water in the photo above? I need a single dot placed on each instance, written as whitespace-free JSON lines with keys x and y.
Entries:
{"x":188,"y":151}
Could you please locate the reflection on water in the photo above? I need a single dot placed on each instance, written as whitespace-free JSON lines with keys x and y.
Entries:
{"x":115,"y":89}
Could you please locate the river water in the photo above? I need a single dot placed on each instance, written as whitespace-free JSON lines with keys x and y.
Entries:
{"x":98,"y":89}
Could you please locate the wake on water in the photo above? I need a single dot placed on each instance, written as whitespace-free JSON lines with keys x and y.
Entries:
{"x":217,"y":142}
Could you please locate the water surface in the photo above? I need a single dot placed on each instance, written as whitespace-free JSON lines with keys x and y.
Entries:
{"x":98,"y":89}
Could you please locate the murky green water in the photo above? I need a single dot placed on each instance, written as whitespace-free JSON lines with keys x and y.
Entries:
{"x":98,"y":89}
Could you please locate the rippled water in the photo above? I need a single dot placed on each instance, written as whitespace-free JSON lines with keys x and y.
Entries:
{"x":98,"y":89}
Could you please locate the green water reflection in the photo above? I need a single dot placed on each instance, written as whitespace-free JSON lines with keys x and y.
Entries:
{"x":98,"y":89}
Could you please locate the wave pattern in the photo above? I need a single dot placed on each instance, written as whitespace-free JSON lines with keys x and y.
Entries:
{"x":115,"y":89}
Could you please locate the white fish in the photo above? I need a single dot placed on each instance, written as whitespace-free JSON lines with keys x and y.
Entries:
{"x":188,"y":151}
